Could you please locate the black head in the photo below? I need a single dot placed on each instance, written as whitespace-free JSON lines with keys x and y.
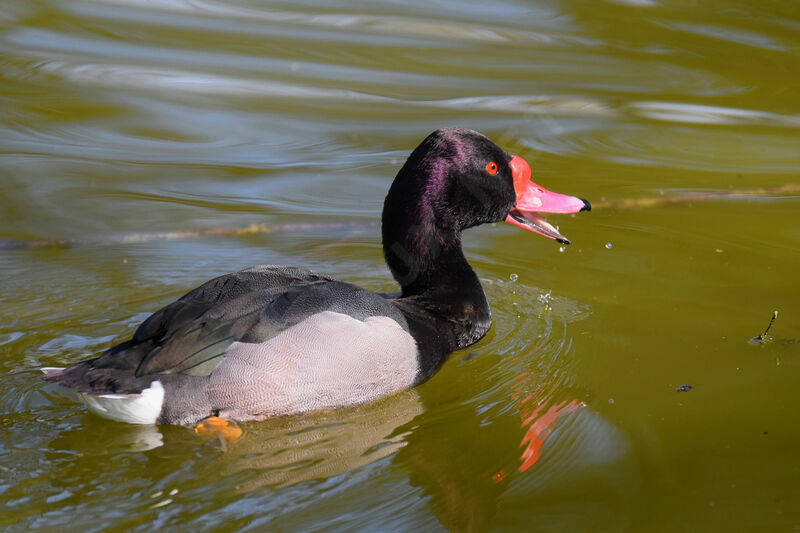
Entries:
{"x":455,"y":179}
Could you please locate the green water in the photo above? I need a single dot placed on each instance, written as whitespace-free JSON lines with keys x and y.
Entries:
{"x":122,"y":117}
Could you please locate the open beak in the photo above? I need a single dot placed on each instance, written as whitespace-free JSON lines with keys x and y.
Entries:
{"x":532,"y":200}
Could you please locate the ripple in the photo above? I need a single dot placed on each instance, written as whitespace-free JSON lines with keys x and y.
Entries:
{"x":153,"y":78}
{"x":733,"y":35}
{"x":706,"y":114}
{"x":681,"y":142}
{"x":637,"y":3}
{"x":532,"y":374}
{"x":11,"y":336}
{"x":74,"y":343}
{"x":388,"y":28}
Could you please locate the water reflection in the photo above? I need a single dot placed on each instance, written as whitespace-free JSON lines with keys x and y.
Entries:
{"x":540,"y":424}
{"x":106,"y":439}
{"x":288,"y":451}
{"x":524,"y":374}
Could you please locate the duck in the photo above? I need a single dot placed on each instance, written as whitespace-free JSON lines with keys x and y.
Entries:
{"x":272,"y":341}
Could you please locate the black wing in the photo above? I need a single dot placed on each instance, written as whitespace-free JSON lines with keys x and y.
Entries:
{"x":191,"y":335}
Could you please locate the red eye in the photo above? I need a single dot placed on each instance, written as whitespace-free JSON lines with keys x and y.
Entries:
{"x":491,"y":168}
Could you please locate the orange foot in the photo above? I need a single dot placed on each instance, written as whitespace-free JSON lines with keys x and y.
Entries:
{"x":214,"y":426}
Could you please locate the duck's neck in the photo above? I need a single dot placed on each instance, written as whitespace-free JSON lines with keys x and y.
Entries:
{"x":423,"y":258}
{"x":430,"y":266}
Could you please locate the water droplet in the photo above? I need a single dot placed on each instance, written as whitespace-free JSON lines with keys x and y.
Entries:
{"x":611,"y":400}
{"x":544,"y":298}
{"x":513,"y":278}
{"x":608,"y":246}
{"x":562,"y":248}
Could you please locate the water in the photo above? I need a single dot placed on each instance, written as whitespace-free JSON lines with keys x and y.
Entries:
{"x":126,"y":122}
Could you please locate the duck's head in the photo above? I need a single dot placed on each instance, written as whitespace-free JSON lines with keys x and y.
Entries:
{"x":456,"y":179}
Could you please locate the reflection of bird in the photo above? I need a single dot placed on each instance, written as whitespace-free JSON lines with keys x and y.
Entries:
{"x":270,"y":341}
{"x":540,"y":425}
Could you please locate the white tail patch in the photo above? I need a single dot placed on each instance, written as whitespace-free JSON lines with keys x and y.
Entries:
{"x":52,"y":370}
{"x":142,"y":408}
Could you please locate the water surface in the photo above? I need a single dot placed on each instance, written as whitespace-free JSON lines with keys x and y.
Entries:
{"x":123,"y":119}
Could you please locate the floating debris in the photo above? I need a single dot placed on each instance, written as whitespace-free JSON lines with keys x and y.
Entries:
{"x":139,"y":238}
{"x":765,"y":337}
{"x":683,"y":388}
{"x":637,"y":203}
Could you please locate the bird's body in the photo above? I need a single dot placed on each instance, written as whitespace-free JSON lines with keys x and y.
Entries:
{"x":270,"y":340}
